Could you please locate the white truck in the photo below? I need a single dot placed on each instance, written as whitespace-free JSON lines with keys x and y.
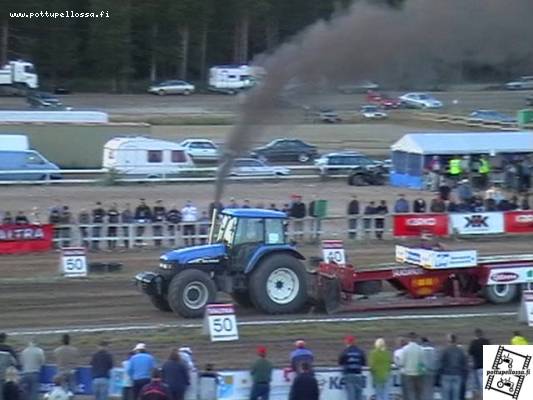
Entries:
{"x":19,"y":75}
{"x":231,"y":79}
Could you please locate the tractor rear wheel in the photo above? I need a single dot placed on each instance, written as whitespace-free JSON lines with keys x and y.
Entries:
{"x":278,"y":284}
{"x":500,"y":294}
{"x":160,"y":303}
{"x":190,"y":292}
{"x":242,"y":299}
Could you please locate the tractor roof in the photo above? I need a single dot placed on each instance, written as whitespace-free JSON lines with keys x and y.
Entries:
{"x":253,"y":213}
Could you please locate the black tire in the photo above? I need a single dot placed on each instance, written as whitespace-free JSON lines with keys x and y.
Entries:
{"x":160,"y":303}
{"x":186,"y":92}
{"x":189,"y":292}
{"x":356,"y":180}
{"x":500,"y":294}
{"x":287,"y":267}
{"x":242,"y":299}
{"x":303,"y":158}
{"x":161,"y":92}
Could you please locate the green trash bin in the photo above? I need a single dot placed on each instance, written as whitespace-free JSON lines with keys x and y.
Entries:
{"x":321,"y":209}
{"x":524,"y":117}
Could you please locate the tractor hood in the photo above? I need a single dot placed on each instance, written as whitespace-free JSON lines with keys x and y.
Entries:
{"x":196,"y":254}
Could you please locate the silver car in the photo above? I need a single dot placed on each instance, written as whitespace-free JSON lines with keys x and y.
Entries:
{"x":522,"y":83}
{"x":254,"y":167}
{"x":172,"y":87}
{"x":201,"y":149}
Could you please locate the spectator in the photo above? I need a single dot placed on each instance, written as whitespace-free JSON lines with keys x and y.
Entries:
{"x":190,"y":217}
{"x":54,"y":218}
{"x":452,"y":368}
{"x":464,"y":191}
{"x":176,"y":375}
{"x":20,"y":219}
{"x":352,"y":360}
{"x":11,"y":389}
{"x":434,"y":169}
{"x":382,"y":209}
{"x":452,"y":206}
{"x":454,"y":168}
{"x":437,"y":205}
{"x":286,"y":208}
{"x":59,"y":392}
{"x":412,"y":363}
{"x":84,"y":219}
{"x":368,"y":223}
{"x":5,"y":348}
{"x":7,"y":360}
{"x":215,"y":206}
{"x":444,"y":191}
{"x":158,"y":218}
{"x":98,"y":215}
{"x":513,"y":204}
{"x":273,"y":207}
{"x":208,"y":383}
{"x":186,"y":357}
{"x":126,"y":218}
{"x":143,"y":215}
{"x":101,"y":365}
{"x":419,"y":205}
{"x":35,"y":216}
{"x":246,"y":204}
{"x":380,"y":361}
{"x":353,"y":215}
{"x":490,"y":205}
{"x":113,"y":217}
{"x":203,"y":227}
{"x":305,"y":385}
{"x":430,"y":367}
{"x":298,"y":212}
{"x":524,"y":204}
{"x":32,"y":360}
{"x":261,"y":373}
{"x":301,"y":355}
{"x":232,"y":203}
{"x":140,"y":368}
{"x":173,"y":221}
{"x":67,"y":357}
{"x":401,"y":205}
{"x":494,"y":193}
{"x":518,"y":339}
{"x":476,"y":353}
{"x":127,"y":383}
{"x":65,"y":218}
{"x":155,"y":389}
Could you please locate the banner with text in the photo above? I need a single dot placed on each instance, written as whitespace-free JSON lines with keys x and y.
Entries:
{"x":417,"y":224}
{"x":25,"y":238}
{"x":477,"y":223}
{"x":519,"y":222}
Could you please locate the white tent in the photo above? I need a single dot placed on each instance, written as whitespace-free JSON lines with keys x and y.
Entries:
{"x":465,"y":143}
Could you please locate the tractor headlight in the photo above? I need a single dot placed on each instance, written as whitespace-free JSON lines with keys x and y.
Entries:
{"x":164,"y":265}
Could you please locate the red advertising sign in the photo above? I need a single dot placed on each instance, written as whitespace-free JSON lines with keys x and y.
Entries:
{"x":25,"y":238}
{"x":416,"y":224}
{"x":518,"y":221}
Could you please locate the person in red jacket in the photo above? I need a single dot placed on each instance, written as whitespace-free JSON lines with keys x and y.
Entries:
{"x":156,"y":389}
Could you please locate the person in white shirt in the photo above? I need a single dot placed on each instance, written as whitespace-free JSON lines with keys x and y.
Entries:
{"x":189,"y":217}
{"x":32,"y":359}
{"x":397,"y":358}
{"x":412,"y":364}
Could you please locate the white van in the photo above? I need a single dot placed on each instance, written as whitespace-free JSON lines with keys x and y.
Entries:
{"x":145,"y":157}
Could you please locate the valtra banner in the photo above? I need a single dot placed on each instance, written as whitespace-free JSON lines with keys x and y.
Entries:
{"x":518,"y":221}
{"x":418,"y":224}
{"x":25,"y":238}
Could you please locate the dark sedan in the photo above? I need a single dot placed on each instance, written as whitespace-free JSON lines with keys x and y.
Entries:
{"x":286,"y":150}
{"x":43,"y":100}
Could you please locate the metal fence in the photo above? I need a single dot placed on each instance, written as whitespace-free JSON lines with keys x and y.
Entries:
{"x":165,"y":235}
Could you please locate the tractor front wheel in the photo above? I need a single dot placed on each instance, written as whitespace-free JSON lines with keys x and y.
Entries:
{"x":190,"y":292}
{"x":278,"y":284}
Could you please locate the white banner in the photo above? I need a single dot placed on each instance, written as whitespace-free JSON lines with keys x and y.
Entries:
{"x":477,"y":223}
{"x":510,"y":275}
{"x":436,"y":259}
{"x":525,"y":313}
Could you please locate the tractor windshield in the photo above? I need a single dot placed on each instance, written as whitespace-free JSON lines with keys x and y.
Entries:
{"x":226,"y":230}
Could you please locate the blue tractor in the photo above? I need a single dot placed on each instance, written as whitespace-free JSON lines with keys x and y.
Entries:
{"x":248,"y":256}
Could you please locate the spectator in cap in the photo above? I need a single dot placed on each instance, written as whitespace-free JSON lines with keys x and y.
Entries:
{"x":261,"y":373}
{"x":352,"y":360}
{"x":155,"y":389}
{"x":175,"y":373}
{"x":186,"y":357}
{"x":101,"y":365}
{"x":380,"y":361}
{"x":140,"y":368}
{"x":305,"y":385}
{"x":301,"y":355}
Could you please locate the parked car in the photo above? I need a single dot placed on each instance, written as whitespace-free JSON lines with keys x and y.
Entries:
{"x":492,"y":116}
{"x":420,"y":100}
{"x":43,"y":100}
{"x":382,"y":100}
{"x":359,"y":87}
{"x":286,"y":150}
{"x":201,"y":149}
{"x":373,"y":112}
{"x":522,"y":83}
{"x":344,"y":162}
{"x":26,"y":160}
{"x":172,"y":87}
{"x":327,"y":115}
{"x":363,"y":176}
{"x":254,"y":167}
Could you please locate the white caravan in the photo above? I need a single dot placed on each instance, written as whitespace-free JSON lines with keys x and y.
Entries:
{"x":231,"y":79}
{"x":19,"y":74}
{"x":145,"y":157}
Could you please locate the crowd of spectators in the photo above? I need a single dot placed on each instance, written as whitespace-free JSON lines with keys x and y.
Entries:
{"x":423,"y":369}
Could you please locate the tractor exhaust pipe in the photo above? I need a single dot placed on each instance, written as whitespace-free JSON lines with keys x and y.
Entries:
{"x":213,"y":222}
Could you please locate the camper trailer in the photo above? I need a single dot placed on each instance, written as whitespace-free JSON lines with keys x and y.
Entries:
{"x":145,"y":157}
{"x":231,"y":79}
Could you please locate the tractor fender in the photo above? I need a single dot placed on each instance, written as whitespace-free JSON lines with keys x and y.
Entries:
{"x":265,"y":251}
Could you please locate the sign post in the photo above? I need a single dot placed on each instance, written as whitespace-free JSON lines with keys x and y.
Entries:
{"x":333,"y":251}
{"x":220,"y":323}
{"x":525,"y":314}
{"x":73,"y":262}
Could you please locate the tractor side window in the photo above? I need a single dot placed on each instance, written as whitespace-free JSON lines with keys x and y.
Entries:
{"x":226,"y":230}
{"x":275,"y":234}
{"x":249,"y":230}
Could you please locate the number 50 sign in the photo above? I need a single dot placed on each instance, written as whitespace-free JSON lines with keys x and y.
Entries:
{"x":73,"y":262}
{"x":220,"y":322}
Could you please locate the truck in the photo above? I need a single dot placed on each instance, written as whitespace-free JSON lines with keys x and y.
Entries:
{"x":249,"y":257}
{"x":19,"y":75}
{"x":231,"y":79}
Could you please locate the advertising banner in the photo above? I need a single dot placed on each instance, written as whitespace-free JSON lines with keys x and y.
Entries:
{"x":417,"y":224}
{"x":519,"y":222}
{"x":477,"y":223}
{"x":16,"y":239}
